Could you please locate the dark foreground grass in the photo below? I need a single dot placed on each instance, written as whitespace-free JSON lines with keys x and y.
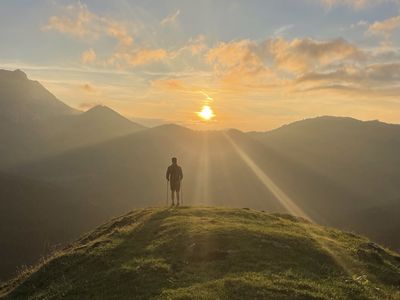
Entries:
{"x":213,"y":253}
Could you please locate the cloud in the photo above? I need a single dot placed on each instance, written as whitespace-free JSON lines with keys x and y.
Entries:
{"x":282,"y":30}
{"x":171,"y":19}
{"x":196,"y":45}
{"x":356,"y":4}
{"x":76,"y":20}
{"x":303,"y":55}
{"x":382,"y":75}
{"x":297,"y":55}
{"x":280,"y":65}
{"x":361,"y":23}
{"x":170,"y":84}
{"x":119,"y":32}
{"x":385,"y":27}
{"x":276,"y":62}
{"x":88,"y":56}
{"x":145,"y":56}
{"x":137,"y":57}
{"x":241,"y":63}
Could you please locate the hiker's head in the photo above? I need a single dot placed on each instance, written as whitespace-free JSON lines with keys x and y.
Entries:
{"x":174,"y":160}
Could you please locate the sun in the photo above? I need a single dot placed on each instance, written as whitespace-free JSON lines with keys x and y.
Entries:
{"x":206,"y":113}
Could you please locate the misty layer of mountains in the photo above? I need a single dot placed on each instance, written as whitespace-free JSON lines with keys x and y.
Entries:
{"x":62,"y":171}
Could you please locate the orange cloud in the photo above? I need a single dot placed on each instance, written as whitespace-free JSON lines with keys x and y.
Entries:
{"x":234,"y":53}
{"x":119,"y":32}
{"x":77,"y":21}
{"x":169,"y":84}
{"x":88,"y":56}
{"x":241,"y":64}
{"x":276,"y":62}
{"x":145,"y":56}
{"x":385,"y":27}
{"x":137,"y":57}
{"x":197,"y":45}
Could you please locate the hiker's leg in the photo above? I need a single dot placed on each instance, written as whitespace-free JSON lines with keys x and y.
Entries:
{"x":173,"y":196}
{"x":177,"y":196}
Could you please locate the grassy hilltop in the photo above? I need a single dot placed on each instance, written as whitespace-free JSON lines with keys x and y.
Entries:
{"x":213,"y":253}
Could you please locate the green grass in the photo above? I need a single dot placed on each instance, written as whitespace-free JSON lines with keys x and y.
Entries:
{"x":213,"y":253}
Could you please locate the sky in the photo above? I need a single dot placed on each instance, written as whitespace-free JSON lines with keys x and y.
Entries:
{"x":251,"y":64}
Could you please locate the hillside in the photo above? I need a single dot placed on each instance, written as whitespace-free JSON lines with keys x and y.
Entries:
{"x":36,"y":216}
{"x":213,"y":253}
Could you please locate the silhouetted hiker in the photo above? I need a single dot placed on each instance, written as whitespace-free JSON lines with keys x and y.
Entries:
{"x":174,"y":176}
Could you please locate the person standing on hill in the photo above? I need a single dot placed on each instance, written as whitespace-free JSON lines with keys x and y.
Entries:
{"x":174,"y":176}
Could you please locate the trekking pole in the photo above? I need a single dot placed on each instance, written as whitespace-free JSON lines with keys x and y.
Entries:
{"x":167,"y":194}
{"x":182,"y":194}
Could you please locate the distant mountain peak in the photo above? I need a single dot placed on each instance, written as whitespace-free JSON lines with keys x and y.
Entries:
{"x":103,"y":111}
{"x":99,"y":108}
{"x":20,"y":74}
{"x":24,"y":100}
{"x":101,"y":114}
{"x":171,"y":127}
{"x":15,"y":75}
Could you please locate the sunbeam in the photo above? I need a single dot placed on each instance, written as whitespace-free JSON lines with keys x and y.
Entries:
{"x":289,"y":205}
{"x":268,"y":182}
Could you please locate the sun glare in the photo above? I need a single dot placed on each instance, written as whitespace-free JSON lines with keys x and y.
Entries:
{"x":206,"y":113}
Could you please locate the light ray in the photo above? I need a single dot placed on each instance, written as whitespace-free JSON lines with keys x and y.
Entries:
{"x":290,"y":206}
{"x":286,"y":202}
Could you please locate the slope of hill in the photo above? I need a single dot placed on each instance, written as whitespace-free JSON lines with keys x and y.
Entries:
{"x":213,"y":253}
{"x":36,"y":216}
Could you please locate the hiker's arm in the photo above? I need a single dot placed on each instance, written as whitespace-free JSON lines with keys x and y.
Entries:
{"x":180,"y":173}
{"x":168,"y":173}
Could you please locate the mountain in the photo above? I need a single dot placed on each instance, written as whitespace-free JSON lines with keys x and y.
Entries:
{"x":35,"y":124}
{"x":360,"y":157}
{"x":96,"y":125}
{"x":23,"y":100}
{"x":35,"y":217}
{"x":213,"y":253}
